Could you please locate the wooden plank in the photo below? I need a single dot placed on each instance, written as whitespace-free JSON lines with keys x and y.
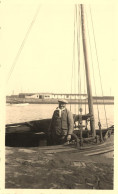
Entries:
{"x":100,"y":152}
{"x":59,"y":150}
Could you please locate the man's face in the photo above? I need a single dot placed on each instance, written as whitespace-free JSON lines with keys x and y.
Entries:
{"x":62,"y":105}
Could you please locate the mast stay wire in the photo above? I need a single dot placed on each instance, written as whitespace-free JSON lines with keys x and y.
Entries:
{"x":73,"y":60}
{"x":74,"y":75}
{"x":23,"y":43}
{"x":85,"y":89}
{"x":79,"y":68}
{"x":73,"y":78}
{"x":78,"y":49}
{"x":74,"y":56}
{"x":85,"y":86}
{"x":92,"y":66}
{"x":98,"y":65}
{"x":77,"y":28}
{"x":74,"y":65}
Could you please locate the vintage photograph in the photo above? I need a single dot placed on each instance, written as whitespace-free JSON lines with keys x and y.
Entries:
{"x":59,"y":96}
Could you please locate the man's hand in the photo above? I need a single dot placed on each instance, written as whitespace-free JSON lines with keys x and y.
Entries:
{"x":68,"y":137}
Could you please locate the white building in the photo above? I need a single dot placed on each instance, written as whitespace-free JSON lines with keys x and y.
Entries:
{"x":52,"y":96}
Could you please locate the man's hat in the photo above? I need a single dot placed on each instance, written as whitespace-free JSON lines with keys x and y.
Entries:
{"x":63,"y":101}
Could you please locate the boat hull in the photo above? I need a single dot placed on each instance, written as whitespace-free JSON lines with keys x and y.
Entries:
{"x":34,"y":133}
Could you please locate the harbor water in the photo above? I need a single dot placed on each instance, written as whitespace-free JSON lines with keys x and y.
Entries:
{"x":19,"y":113}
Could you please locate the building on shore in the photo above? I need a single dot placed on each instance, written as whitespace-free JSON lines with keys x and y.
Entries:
{"x":52,"y":96}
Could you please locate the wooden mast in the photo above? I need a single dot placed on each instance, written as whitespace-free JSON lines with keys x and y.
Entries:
{"x":89,"y":90}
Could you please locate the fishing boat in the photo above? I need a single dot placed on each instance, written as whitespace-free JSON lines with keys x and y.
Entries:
{"x":34,"y":133}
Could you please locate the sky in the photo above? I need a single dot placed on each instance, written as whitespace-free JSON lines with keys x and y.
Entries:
{"x":44,"y":59}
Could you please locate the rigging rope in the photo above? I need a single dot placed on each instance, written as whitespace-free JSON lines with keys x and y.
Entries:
{"x":23,"y":43}
{"x":78,"y":49}
{"x":77,"y":37}
{"x":98,"y":66}
{"x":85,"y":86}
{"x":73,"y":60}
{"x":75,"y":63}
{"x":77,"y":28}
{"x":92,"y":68}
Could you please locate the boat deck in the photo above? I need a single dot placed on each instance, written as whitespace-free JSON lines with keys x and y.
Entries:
{"x":60,"y":167}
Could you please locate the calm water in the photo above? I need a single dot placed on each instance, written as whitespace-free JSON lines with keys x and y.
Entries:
{"x":15,"y":114}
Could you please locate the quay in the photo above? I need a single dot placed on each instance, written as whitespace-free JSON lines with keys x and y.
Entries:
{"x":49,"y":100}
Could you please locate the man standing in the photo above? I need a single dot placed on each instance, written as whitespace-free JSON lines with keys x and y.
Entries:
{"x":61,"y":126}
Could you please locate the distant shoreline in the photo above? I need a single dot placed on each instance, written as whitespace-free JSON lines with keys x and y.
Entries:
{"x":45,"y":102}
{"x":55,"y":101}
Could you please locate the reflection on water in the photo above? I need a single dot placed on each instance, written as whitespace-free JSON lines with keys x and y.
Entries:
{"x":15,"y":114}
